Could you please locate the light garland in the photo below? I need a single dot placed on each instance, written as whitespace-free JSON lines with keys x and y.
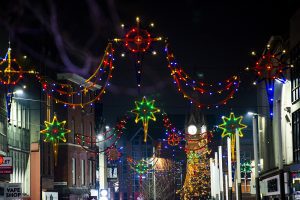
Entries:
{"x":184,"y":82}
{"x":117,"y":132}
{"x":59,"y":92}
{"x":174,"y":136}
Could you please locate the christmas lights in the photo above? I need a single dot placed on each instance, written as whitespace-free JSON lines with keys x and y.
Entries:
{"x":113,"y":138}
{"x":197,"y":181}
{"x":55,"y":132}
{"x":173,"y":134}
{"x":113,"y":154}
{"x":142,"y":166}
{"x":145,"y":111}
{"x":138,"y":40}
{"x":268,"y":68}
{"x":232,"y":125}
{"x":246,"y":167}
{"x":64,"y":93}
{"x":185,"y":83}
{"x":10,"y":71}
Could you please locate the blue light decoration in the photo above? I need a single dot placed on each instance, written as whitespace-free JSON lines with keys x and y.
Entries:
{"x":268,"y":68}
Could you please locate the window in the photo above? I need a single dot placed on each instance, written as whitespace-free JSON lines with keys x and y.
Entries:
{"x":73,"y":130}
{"x":19,"y":114}
{"x":91,"y":172}
{"x":82,"y":172}
{"x":23,"y":117}
{"x":91,"y":133}
{"x":296,"y":135}
{"x":27,"y":118}
{"x":74,"y":171}
{"x":295,"y":72}
{"x":296,"y":83}
{"x":49,"y":161}
{"x":82,"y":97}
{"x":82,"y":133}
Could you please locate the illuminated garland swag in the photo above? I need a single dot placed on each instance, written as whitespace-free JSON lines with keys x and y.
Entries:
{"x":185,"y":84}
{"x":98,"y":82}
{"x":115,"y":135}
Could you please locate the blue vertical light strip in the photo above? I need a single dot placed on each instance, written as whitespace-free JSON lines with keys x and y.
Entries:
{"x":270,"y":93}
{"x":9,"y":96}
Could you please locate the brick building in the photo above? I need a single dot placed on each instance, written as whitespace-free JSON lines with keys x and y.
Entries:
{"x":75,"y":173}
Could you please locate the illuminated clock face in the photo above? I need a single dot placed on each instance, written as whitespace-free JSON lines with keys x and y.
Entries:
{"x":192,"y":129}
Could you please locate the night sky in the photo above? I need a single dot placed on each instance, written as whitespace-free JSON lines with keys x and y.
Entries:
{"x":212,"y":38}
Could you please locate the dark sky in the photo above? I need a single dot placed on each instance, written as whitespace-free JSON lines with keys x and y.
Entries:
{"x":209,"y":37}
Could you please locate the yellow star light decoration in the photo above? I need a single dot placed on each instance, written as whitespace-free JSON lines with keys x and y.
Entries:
{"x":230,"y":126}
{"x":144,"y":111}
{"x":55,"y":131}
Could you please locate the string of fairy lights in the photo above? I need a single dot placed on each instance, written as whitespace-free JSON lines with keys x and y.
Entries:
{"x":270,"y":66}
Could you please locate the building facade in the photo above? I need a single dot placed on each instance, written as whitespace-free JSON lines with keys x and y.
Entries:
{"x":137,"y":149}
{"x":75,"y":172}
{"x":295,"y":95}
{"x":275,"y":133}
{"x":4,"y":178}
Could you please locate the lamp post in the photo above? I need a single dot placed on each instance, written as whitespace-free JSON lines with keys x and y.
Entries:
{"x":255,"y":149}
{"x":221,"y":173}
{"x":238,"y":166}
{"x":280,"y":156}
{"x":229,"y":168}
{"x":102,"y":165}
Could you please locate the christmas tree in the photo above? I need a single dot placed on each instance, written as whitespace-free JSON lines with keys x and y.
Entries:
{"x":197,"y":180}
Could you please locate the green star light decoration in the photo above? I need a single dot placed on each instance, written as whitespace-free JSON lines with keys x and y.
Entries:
{"x":246,"y":167}
{"x":144,"y":111}
{"x":141,"y":167}
{"x":55,"y":131}
{"x":230,"y":124}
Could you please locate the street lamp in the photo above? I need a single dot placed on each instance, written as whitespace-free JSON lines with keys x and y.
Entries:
{"x":103,"y":194}
{"x":100,"y":138}
{"x":9,"y":97}
{"x":19,"y":92}
{"x":102,"y":165}
{"x":255,"y":149}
